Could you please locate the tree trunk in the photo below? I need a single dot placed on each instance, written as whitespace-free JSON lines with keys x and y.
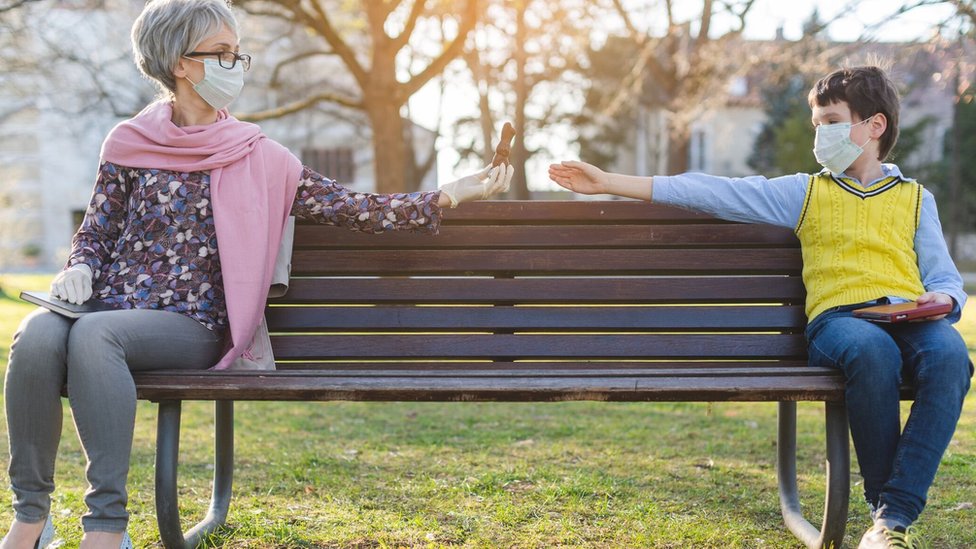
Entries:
{"x":482,"y":82}
{"x":390,"y":151}
{"x":487,"y":129}
{"x":392,"y":156}
{"x":954,"y":221}
{"x":519,"y":154}
{"x":678,"y":148}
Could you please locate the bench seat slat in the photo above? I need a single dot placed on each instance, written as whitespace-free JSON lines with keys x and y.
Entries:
{"x":483,"y":370}
{"x":546,"y":261}
{"x":538,"y":346}
{"x":550,"y":388}
{"x":552,"y":237}
{"x":667,"y":289}
{"x":400,"y":318}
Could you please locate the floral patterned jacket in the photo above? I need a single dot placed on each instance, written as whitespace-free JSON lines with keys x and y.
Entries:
{"x":149,"y":235}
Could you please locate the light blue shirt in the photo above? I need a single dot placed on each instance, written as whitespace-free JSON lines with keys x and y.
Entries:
{"x":779,"y":201}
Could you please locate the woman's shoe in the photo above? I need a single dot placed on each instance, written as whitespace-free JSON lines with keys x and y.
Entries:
{"x":47,"y":535}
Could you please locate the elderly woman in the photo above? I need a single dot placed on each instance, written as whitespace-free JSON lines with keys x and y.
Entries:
{"x":181,"y":236}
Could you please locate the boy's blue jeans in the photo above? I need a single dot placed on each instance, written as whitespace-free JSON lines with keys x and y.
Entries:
{"x":898,"y":465}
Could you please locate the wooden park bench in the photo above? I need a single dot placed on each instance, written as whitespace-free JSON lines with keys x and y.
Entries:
{"x":532,"y":301}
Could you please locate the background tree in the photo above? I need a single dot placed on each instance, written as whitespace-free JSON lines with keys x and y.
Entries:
{"x":529,"y":78}
{"x":680,"y":69}
{"x":956,"y":188}
{"x":58,"y":70}
{"x":604,"y":130}
{"x":962,"y":138}
{"x":785,"y":140}
{"x":784,"y":143}
{"x":372,"y":41}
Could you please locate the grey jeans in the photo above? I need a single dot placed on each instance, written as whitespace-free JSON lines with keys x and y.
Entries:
{"x":94,"y":356}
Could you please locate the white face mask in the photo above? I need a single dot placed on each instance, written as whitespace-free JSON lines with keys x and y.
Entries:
{"x":220,"y":86}
{"x":833,"y":147}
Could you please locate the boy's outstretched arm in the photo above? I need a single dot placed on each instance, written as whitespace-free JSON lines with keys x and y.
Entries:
{"x":586,"y":178}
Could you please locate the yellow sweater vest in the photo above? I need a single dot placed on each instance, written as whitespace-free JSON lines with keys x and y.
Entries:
{"x":858,"y":244}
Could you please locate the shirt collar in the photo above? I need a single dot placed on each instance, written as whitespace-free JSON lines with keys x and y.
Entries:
{"x":888,"y":170}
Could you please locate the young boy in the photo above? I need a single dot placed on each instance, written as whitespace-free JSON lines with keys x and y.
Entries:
{"x":868,"y":235}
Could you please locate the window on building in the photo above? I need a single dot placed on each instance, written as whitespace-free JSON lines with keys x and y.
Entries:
{"x":697,"y":148}
{"x":334,"y":163}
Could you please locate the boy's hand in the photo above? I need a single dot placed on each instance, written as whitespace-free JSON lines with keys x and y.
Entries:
{"x":580,"y":177}
{"x":935,"y":297}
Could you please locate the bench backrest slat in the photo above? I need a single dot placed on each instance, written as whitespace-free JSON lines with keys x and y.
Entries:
{"x":560,"y":236}
{"x":547,"y":261}
{"x":569,"y":290}
{"x":384,"y":318}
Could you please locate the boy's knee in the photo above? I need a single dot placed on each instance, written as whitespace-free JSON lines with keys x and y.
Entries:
{"x":862,"y":349}
{"x":945,"y":361}
{"x":954,"y":369}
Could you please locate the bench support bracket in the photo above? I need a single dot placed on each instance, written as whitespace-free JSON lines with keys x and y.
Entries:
{"x":831,"y":533}
{"x":167,"y":459}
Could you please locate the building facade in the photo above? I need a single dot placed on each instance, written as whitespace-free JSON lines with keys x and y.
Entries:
{"x":80,"y":81}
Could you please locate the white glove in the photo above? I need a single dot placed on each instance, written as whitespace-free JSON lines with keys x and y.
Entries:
{"x":480,"y":185}
{"x":73,"y":284}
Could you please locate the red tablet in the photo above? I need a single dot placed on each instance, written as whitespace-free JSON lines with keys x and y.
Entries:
{"x":903,"y":312}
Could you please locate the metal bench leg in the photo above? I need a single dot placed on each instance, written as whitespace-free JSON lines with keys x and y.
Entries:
{"x":831,"y":533}
{"x":167,"y":457}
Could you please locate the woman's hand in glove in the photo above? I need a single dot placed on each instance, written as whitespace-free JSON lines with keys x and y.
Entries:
{"x":73,"y":284}
{"x":477,"y":186}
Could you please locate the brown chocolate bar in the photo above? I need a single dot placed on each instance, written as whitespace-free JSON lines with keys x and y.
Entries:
{"x":504,"y":147}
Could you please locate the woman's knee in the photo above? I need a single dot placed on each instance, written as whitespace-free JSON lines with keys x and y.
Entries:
{"x":90,"y":337}
{"x":40,"y":344}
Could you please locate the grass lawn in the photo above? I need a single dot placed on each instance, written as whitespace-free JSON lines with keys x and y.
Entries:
{"x":578,"y":474}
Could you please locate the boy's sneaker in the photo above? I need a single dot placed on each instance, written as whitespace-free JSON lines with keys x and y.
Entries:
{"x":882,"y":537}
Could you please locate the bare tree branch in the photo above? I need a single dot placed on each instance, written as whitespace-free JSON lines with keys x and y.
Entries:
{"x":625,"y":15}
{"x":276,"y":73}
{"x":272,"y":14}
{"x":16,"y":4}
{"x":706,"y":21}
{"x":323,"y":25}
{"x":436,"y":67}
{"x":415,"y":12}
{"x":302,"y":104}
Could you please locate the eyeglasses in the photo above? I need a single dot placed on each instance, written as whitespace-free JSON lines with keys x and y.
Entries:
{"x":226,"y":59}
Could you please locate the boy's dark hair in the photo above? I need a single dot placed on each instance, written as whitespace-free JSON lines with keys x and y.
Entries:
{"x":868,"y":91}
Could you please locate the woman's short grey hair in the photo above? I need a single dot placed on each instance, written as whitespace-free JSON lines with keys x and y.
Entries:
{"x":166,"y":30}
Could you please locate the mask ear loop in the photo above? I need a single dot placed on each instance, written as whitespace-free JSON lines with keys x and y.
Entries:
{"x":862,"y":122}
{"x":187,"y":77}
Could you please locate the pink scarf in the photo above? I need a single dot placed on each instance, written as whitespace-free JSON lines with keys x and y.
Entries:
{"x":253,"y":181}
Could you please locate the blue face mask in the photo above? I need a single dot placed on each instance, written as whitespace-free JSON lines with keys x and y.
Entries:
{"x":220,"y":86}
{"x":833,"y":147}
